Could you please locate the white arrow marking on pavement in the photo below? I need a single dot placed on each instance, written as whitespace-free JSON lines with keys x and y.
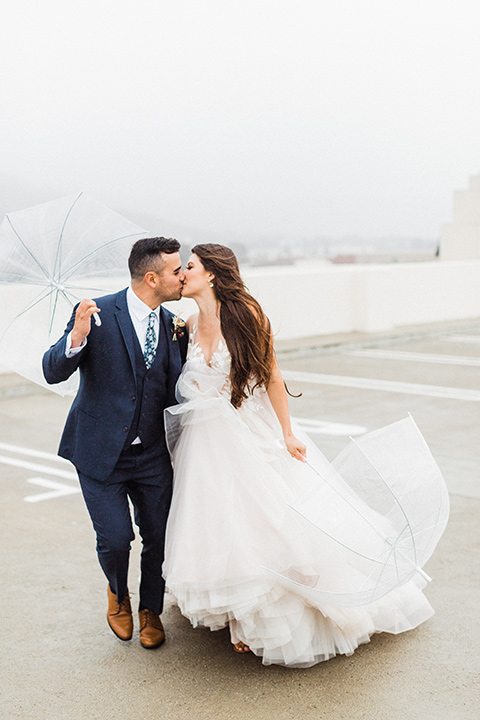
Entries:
{"x":58,"y":490}
{"x":322,"y":427}
{"x":384,"y":385}
{"x":417,"y":357}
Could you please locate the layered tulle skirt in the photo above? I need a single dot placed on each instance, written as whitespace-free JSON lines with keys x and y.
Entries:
{"x":286,"y":554}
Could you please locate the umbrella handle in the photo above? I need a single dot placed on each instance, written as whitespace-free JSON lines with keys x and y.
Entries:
{"x":96,"y":317}
{"x":423,"y":574}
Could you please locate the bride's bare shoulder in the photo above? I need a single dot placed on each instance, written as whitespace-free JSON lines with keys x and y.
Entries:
{"x":191,"y":322}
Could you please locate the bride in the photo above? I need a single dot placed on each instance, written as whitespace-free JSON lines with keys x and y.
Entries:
{"x":236,"y":552}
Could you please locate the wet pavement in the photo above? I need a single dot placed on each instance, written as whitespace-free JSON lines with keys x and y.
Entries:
{"x":59,"y":659}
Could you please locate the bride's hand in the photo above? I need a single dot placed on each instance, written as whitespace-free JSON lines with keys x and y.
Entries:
{"x":295,"y":447}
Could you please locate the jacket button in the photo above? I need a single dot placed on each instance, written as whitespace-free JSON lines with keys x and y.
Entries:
{"x":125,"y":428}
{"x":133,"y":398}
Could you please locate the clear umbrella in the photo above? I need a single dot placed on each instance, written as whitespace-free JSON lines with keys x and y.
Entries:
{"x":51,"y":256}
{"x":380,"y":507}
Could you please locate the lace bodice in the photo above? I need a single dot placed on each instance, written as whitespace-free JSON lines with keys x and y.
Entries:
{"x":200,"y":378}
{"x":220,"y":360}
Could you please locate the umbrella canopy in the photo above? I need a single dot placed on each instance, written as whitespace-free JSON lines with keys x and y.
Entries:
{"x":51,"y":256}
{"x":380,"y":508}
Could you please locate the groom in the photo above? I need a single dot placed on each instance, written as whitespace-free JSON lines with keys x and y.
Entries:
{"x":114,"y":433}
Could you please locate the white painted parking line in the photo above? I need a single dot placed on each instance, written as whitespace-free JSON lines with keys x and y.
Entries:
{"x":68,"y":475}
{"x":322,"y":427}
{"x":417,"y":357}
{"x":405,"y":388}
{"x":468,"y":339}
{"x":29,"y":452}
{"x":57,"y":490}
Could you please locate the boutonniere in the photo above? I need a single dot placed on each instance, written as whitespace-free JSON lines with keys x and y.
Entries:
{"x":178,"y":328}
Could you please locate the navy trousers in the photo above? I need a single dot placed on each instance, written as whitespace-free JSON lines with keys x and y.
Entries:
{"x":108,"y":506}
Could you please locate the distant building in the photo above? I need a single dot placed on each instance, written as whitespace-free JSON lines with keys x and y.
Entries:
{"x":460,"y":240}
{"x":382,"y":258}
{"x":344,"y":259}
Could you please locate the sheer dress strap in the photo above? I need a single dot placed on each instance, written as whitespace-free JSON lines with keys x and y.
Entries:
{"x":193,"y":332}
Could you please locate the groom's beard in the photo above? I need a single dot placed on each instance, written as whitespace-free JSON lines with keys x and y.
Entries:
{"x":173,"y":295}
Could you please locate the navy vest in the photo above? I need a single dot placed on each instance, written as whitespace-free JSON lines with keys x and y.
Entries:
{"x":147,"y":423}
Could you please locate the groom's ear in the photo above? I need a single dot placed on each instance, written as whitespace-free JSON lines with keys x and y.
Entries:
{"x":151,"y":278}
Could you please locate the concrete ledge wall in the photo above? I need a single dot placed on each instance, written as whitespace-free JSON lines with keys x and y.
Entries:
{"x":327,"y":299}
{"x":460,"y":242}
{"x":335,"y":299}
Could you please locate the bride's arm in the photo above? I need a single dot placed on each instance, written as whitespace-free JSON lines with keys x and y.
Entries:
{"x":278,"y":397}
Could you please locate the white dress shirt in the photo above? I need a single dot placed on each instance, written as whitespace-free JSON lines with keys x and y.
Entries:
{"x":139,"y":313}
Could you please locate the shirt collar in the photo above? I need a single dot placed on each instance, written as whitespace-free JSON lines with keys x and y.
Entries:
{"x":138,"y":308}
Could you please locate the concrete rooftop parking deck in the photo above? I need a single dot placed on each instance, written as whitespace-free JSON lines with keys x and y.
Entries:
{"x":59,"y":659}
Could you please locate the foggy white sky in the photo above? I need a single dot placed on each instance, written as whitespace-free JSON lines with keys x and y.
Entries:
{"x":253,"y":117}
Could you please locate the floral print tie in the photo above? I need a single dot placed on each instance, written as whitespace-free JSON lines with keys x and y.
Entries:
{"x":150,"y":340}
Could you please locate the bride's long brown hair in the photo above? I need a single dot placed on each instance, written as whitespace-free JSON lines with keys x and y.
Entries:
{"x":243,"y":323}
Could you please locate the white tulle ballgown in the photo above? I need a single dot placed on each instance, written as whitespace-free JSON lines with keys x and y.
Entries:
{"x":238,"y":553}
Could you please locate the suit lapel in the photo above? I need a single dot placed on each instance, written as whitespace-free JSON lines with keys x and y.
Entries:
{"x":125,"y":324}
{"x":166,"y":345}
{"x":174,"y":353}
{"x":173,"y":350}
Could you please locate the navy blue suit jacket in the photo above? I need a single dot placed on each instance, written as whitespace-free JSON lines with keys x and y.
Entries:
{"x":102,"y":412}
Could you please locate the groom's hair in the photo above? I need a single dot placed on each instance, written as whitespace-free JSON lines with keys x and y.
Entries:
{"x":146,"y":255}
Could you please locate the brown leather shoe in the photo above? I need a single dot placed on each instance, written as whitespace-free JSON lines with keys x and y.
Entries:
{"x":152,"y":633}
{"x":119,"y":616}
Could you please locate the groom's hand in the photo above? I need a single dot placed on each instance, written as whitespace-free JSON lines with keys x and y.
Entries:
{"x":83,"y":321}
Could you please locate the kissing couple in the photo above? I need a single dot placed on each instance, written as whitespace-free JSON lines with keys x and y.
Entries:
{"x":190,"y":422}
